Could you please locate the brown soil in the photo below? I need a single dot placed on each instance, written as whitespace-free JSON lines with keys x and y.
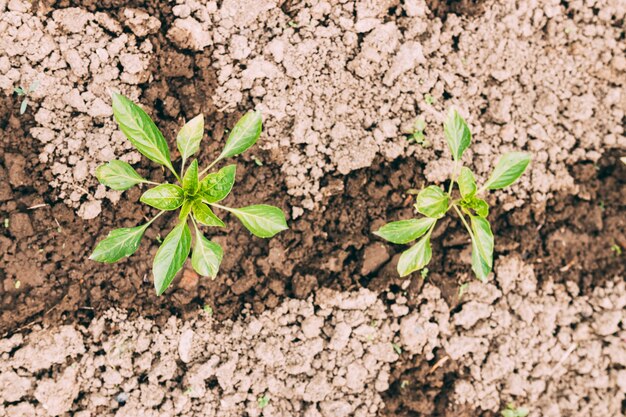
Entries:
{"x":44,"y":248}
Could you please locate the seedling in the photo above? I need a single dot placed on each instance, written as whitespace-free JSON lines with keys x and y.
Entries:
{"x":23,"y":92}
{"x":512,"y":411}
{"x":424,"y":273}
{"x":263,"y":401}
{"x":208,"y":309}
{"x":463,"y":289}
{"x":418,"y":133}
{"x":195,"y":195}
{"x":617,"y":249}
{"x":433,"y":202}
{"x":397,"y":348}
{"x":429,"y":99}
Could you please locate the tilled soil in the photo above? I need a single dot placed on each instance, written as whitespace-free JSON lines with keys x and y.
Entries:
{"x":44,"y":244}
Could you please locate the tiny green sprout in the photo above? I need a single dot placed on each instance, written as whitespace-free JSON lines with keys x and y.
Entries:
{"x":397,"y":348}
{"x":418,"y":133}
{"x":463,"y":289}
{"x":263,"y":401}
{"x":23,"y":92}
{"x":6,"y":223}
{"x":424,"y":273}
{"x":292,"y":24}
{"x":601,"y":205}
{"x":433,"y":203}
{"x":257,"y":161}
{"x":188,"y":390}
{"x":208,"y":309}
{"x":195,"y":196}
{"x":512,"y":411}
{"x":158,"y":238}
{"x":616,"y":249}
{"x":404,"y":384}
{"x":18,"y":284}
{"x":429,"y":99}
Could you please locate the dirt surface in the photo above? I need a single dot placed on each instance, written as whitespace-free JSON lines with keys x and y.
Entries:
{"x":339,"y":87}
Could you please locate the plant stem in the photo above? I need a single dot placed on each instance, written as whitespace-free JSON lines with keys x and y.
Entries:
{"x":209,"y":167}
{"x":453,"y":178}
{"x":155,"y":217}
{"x":150,"y":182}
{"x":182,"y":168}
{"x":469,"y":229}
{"x":221,"y":207}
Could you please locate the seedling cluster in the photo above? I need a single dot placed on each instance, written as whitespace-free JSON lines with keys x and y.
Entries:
{"x":434,"y":203}
{"x":195,"y":194}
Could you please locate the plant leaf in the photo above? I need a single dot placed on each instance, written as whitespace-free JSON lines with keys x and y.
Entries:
{"x":189,"y":137}
{"x":19,"y":91}
{"x":118,"y":175}
{"x":478,"y":205}
{"x":432,"y":201}
{"x":467,"y":183}
{"x":245,"y":134}
{"x":405,"y":231}
{"x":190,"y":180}
{"x":509,"y":168}
{"x":482,"y":247}
{"x":171,"y":256}
{"x":118,"y":244}
{"x":261,"y":220}
{"x":205,"y":215}
{"x":215,"y":187}
{"x":140,"y":130}
{"x":185,"y":209}
{"x":206,"y":256}
{"x":457,"y":134}
{"x":164,"y":197}
{"x":23,"y":106}
{"x":416,"y":257}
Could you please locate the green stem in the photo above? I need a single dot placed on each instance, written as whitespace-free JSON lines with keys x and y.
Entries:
{"x":208,"y":168}
{"x":182,"y":168}
{"x":155,"y":217}
{"x":150,"y":182}
{"x":469,"y":229}
{"x":453,"y":177}
{"x":221,"y":207}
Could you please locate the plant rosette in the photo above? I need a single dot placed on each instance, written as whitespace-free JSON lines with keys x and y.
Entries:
{"x":434,"y":203}
{"x":196,"y":193}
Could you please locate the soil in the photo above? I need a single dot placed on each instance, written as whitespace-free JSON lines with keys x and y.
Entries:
{"x":565,"y":236}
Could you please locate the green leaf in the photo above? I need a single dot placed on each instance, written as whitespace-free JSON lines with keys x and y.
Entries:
{"x":467,"y":183}
{"x":185,"y":209}
{"x":206,"y":256}
{"x":261,"y":220}
{"x":118,"y":175}
{"x":171,"y":256}
{"x":205,"y":215}
{"x":245,"y":134}
{"x":23,"y":106}
{"x":509,"y":168}
{"x":141,"y":130}
{"x":118,"y":244}
{"x":432,"y":201}
{"x":405,"y":231}
{"x":190,"y":135}
{"x":19,"y":91}
{"x":478,"y":205}
{"x":457,"y":134}
{"x":215,"y":187}
{"x":191,"y":185}
{"x":416,"y":257}
{"x":164,"y":197}
{"x":482,"y":247}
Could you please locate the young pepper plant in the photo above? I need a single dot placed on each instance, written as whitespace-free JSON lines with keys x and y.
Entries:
{"x":195,"y":194}
{"x":434,"y":203}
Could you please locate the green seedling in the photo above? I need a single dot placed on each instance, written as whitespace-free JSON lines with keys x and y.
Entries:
{"x":208,"y":309}
{"x":429,"y":99}
{"x":424,"y":273}
{"x":617,"y":249}
{"x":263,"y":401}
{"x":434,"y":203}
{"x":418,"y":133}
{"x":463,"y":289}
{"x":397,"y":348}
{"x":24,"y":92}
{"x":196,"y":194}
{"x":512,"y":411}
{"x":257,"y":161}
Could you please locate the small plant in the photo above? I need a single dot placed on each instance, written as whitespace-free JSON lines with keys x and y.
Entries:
{"x":23,"y":92}
{"x":433,"y":202}
{"x":512,"y":411}
{"x":195,"y":195}
{"x":263,"y":401}
{"x":418,"y":133}
{"x":617,"y":249}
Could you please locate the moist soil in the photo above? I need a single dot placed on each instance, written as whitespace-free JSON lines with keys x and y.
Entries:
{"x":44,"y":244}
